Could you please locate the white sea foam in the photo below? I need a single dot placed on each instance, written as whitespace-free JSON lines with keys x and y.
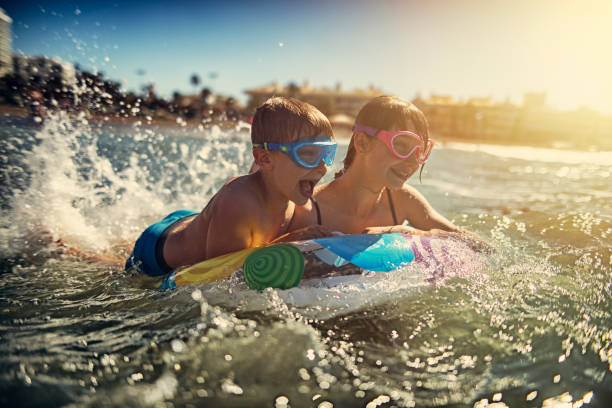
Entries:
{"x":93,"y":199}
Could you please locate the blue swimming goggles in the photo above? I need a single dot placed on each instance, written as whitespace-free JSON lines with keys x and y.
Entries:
{"x":305,"y":154}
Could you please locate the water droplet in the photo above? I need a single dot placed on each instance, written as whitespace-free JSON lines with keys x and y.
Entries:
{"x":178,"y":346}
{"x":304,"y":374}
{"x":197,"y":295}
{"x":230,"y":388}
{"x":380,"y":400}
{"x":137,"y":376}
{"x":281,"y":401}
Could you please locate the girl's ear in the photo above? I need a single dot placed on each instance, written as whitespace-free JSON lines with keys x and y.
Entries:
{"x":362,"y":142}
{"x":262,"y":157}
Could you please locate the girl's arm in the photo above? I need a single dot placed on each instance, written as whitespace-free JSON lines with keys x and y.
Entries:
{"x":415,"y":208}
{"x":422,"y":216}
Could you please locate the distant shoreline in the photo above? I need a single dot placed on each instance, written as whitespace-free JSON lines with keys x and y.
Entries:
{"x":178,"y":122}
{"x":341,"y":132}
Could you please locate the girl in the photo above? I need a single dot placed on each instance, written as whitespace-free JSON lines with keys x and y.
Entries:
{"x":390,"y":143}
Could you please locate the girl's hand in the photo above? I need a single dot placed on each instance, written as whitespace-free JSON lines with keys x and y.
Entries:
{"x":405,"y":230}
{"x":310,"y":232}
{"x":470,"y":239}
{"x":393,"y":228}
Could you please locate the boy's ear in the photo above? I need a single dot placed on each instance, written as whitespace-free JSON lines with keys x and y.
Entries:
{"x":262,"y":157}
{"x":362,"y":142}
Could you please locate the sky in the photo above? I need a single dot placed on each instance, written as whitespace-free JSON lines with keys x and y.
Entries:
{"x":462,"y":48}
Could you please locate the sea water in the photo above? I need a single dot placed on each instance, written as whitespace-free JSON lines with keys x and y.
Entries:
{"x":531,"y":328}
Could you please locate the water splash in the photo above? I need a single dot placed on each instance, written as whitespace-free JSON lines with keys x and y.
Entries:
{"x":96,"y":185}
{"x":533,"y":323}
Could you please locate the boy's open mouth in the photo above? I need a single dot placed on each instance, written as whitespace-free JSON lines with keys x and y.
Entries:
{"x":307,"y":187}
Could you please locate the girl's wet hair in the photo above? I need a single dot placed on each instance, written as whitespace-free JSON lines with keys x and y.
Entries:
{"x":282,"y":119}
{"x":388,"y":113}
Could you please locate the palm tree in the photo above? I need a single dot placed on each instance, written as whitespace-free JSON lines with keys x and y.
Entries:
{"x":195,"y":80}
{"x":293,"y":89}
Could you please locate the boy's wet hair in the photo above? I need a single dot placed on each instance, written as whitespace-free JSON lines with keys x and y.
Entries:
{"x":282,"y":119}
{"x":388,"y":113}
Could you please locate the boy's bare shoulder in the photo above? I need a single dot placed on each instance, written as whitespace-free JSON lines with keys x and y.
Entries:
{"x":247,"y":187}
{"x":232,"y":217}
{"x":237,"y":194}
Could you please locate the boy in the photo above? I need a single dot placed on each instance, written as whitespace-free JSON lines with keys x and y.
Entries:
{"x":292,"y":144}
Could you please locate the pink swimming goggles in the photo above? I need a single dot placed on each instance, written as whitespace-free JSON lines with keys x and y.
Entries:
{"x":401,"y":143}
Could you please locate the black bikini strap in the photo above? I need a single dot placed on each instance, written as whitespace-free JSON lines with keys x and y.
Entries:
{"x":391,"y":206}
{"x":316,"y":206}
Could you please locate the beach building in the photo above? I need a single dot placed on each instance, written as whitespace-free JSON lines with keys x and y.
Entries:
{"x":44,"y":69}
{"x":330,"y":101}
{"x":475,"y":118}
{"x":6,"y":63}
{"x":534,"y":100}
{"x":533,"y":122}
